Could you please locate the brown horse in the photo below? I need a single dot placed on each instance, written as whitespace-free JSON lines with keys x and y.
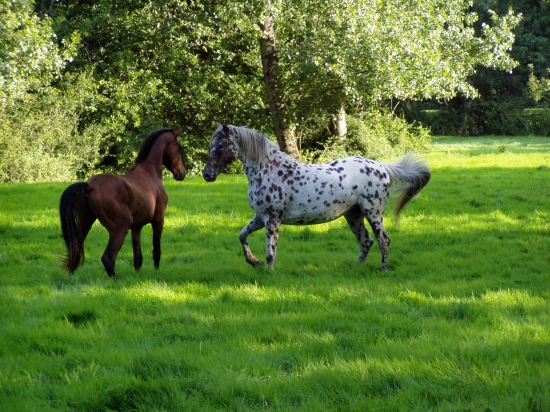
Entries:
{"x":122,"y":203}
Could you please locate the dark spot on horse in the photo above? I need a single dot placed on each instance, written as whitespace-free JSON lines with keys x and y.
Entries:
{"x":369,"y":184}
{"x":268,"y":198}
{"x":280,"y":172}
{"x":354,"y":187}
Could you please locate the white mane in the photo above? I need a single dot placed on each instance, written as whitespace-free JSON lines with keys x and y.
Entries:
{"x":253,"y":145}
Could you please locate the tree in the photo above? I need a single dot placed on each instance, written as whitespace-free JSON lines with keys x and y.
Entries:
{"x":359,"y":53}
{"x":275,"y":97}
{"x":29,"y":55}
{"x":503,"y":96}
{"x":173,"y":62}
{"x":165,"y":63}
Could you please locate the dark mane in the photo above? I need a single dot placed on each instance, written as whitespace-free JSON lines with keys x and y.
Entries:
{"x":148,"y":144}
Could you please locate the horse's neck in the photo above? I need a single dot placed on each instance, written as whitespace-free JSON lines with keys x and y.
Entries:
{"x":252,"y":168}
{"x":153,"y":163}
{"x":272,"y":161}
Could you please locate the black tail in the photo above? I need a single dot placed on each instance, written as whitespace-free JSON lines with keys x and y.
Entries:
{"x":76,"y":220}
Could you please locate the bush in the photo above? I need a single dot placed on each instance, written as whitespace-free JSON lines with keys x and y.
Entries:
{"x":538,"y":121}
{"x":376,"y":135}
{"x":40,"y":137}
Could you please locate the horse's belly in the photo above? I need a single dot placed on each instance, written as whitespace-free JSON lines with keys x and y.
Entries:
{"x":315,"y":214}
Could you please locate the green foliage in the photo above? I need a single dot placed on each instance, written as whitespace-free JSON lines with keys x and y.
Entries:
{"x":360,"y":53}
{"x":161,"y":62}
{"x":157,"y":63}
{"x":29,"y":55}
{"x":376,"y":135}
{"x":42,"y":136}
{"x":538,"y":89}
{"x":503,"y":98}
{"x":461,"y":321}
{"x":166,"y":63}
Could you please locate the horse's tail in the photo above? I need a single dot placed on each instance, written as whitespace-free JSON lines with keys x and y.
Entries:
{"x":411,"y":174}
{"x":76,"y":220}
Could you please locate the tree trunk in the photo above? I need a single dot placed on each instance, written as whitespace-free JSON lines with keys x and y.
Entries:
{"x":285,"y":135}
{"x":338,"y":125}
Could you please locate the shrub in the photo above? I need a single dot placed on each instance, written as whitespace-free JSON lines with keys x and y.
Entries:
{"x":40,"y":137}
{"x":376,"y":135}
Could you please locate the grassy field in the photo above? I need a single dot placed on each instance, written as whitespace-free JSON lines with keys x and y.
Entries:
{"x":460,"y":322}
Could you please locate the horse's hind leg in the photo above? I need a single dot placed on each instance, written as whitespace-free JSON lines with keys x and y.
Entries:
{"x":136,"y":244}
{"x":158,"y":226}
{"x":116,"y":240}
{"x":255,"y":224}
{"x":356,"y":222}
{"x":377,"y":225}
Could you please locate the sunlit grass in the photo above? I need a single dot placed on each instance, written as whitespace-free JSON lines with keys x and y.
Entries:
{"x":461,"y":321}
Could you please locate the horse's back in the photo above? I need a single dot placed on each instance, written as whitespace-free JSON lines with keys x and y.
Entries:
{"x":107,"y":186}
{"x":318,"y":193}
{"x":132,"y":196}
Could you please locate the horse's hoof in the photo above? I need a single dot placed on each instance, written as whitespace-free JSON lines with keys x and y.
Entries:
{"x":258,"y":263}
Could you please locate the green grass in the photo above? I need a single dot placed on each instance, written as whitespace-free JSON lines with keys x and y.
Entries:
{"x":460,"y":322}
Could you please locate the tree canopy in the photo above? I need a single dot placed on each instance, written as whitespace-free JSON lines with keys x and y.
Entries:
{"x":154,"y":63}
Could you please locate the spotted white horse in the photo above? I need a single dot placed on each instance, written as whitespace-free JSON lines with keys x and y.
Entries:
{"x":281,"y":190}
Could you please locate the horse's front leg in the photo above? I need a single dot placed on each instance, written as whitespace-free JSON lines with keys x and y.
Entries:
{"x":255,"y":224}
{"x":272,"y":227}
{"x":158,"y":226}
{"x":136,"y":244}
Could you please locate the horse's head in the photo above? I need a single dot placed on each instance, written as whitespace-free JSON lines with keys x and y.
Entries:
{"x":223,"y":151}
{"x":171,"y":158}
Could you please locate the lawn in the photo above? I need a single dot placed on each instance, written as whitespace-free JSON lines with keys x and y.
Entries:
{"x":460,"y":322}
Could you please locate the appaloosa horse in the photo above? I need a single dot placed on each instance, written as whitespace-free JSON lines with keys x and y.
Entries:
{"x":282,"y":190}
{"x":122,"y":203}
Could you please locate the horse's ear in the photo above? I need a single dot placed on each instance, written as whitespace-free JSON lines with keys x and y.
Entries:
{"x":179,"y":131}
{"x":219,"y":125}
{"x":225,"y":129}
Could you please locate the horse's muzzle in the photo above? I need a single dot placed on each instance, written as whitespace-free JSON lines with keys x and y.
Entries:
{"x":179,"y":176}
{"x":209,"y":176}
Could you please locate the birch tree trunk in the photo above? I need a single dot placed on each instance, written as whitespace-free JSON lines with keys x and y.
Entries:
{"x":338,"y":125}
{"x":275,"y":96}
